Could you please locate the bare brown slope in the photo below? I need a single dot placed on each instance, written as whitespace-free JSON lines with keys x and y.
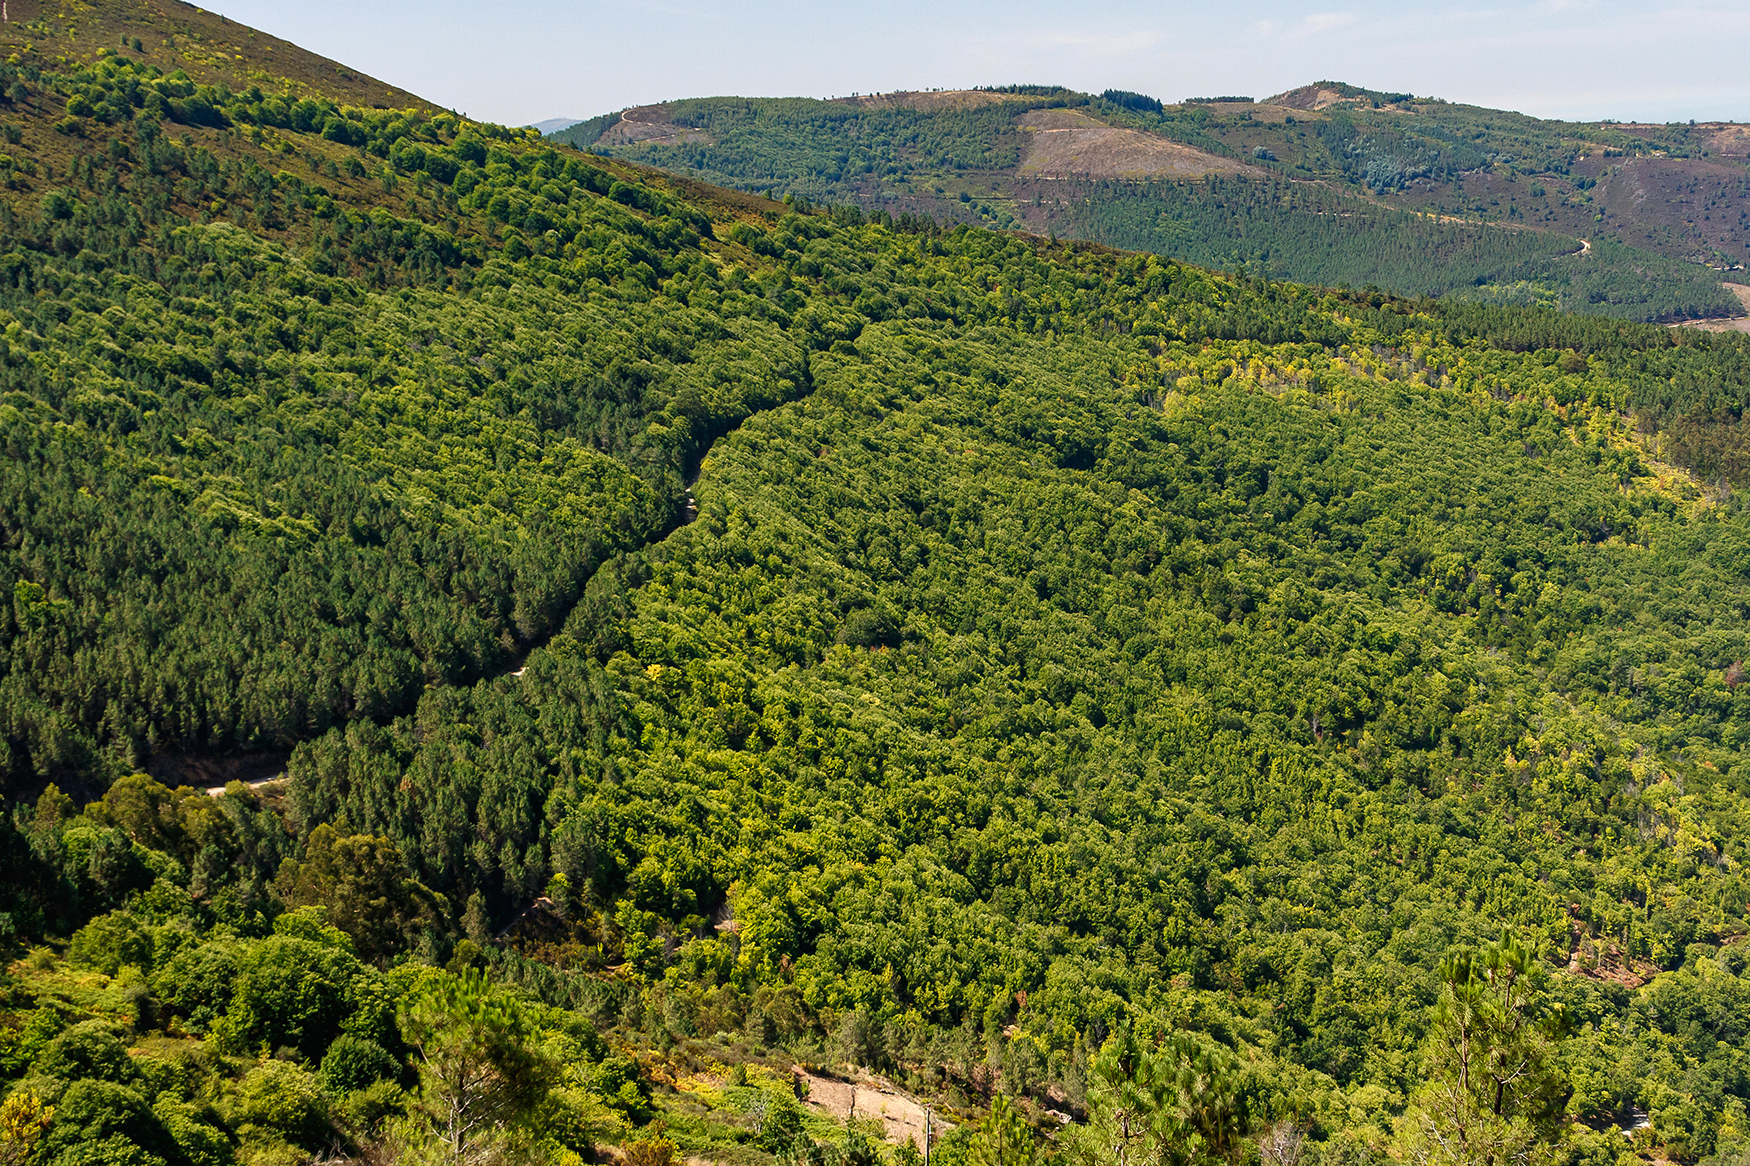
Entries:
{"x":54,"y":35}
{"x":1310,"y":98}
{"x":650,"y":123}
{"x":1728,"y":323}
{"x":1063,"y":142}
{"x":1689,"y":208}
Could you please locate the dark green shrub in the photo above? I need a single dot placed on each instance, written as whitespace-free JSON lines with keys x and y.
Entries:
{"x":353,"y":1063}
{"x":87,"y":1051}
{"x":110,"y":942}
{"x":198,"y":982}
{"x":100,"y":1123}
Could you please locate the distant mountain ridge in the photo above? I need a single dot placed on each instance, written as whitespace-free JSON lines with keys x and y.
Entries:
{"x":1326,"y":183}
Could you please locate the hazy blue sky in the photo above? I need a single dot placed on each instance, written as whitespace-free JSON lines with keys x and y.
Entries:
{"x":518,"y":62}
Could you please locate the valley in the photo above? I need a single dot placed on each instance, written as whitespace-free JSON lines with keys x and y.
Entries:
{"x":533,"y":650}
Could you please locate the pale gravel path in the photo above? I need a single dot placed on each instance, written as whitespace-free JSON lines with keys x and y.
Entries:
{"x":901,"y":1115}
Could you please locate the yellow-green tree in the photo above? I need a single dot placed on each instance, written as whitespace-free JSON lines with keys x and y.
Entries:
{"x":23,"y":1121}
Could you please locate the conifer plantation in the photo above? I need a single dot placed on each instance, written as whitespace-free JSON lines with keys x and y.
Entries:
{"x":694,"y":656}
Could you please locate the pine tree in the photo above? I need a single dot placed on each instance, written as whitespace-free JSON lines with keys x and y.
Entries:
{"x":1494,"y":1095}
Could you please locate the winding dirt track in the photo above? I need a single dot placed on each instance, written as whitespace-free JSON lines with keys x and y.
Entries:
{"x":216,"y":791}
{"x":639,"y":126}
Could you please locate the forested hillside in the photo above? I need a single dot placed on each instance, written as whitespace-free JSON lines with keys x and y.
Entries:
{"x":1276,"y":228}
{"x":1133,"y":709}
{"x":1330,"y":184}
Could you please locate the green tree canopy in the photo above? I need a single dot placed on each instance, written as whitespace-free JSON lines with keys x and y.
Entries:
{"x":362,"y":884}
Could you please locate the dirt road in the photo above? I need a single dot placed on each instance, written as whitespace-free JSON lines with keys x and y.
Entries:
{"x":215,"y":791}
{"x":641,"y":125}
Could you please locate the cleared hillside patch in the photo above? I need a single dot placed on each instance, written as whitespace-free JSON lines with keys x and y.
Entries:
{"x":651,"y":125}
{"x":1067,"y":142}
{"x":1729,"y":323}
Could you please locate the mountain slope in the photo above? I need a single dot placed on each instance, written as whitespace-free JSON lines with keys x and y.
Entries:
{"x":221,"y":460}
{"x":710,"y":636}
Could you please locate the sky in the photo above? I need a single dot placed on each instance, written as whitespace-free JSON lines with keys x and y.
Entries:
{"x":521,"y":61}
